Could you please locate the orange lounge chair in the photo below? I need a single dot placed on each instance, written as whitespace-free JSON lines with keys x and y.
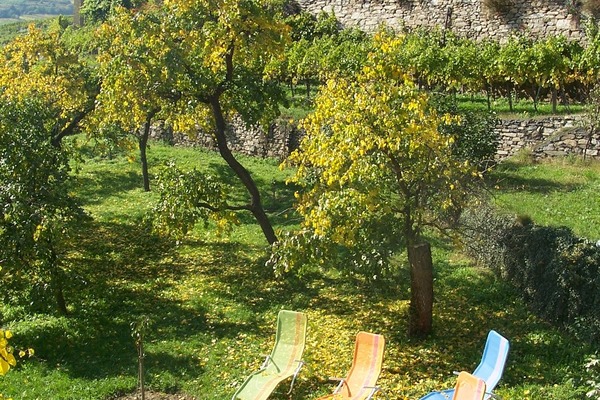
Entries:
{"x":469,"y":387}
{"x":360,"y":382}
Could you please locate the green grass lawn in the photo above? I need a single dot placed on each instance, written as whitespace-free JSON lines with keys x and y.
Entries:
{"x":522,"y":108}
{"x":301,"y":104}
{"x":212,"y":307}
{"x":563,"y":192}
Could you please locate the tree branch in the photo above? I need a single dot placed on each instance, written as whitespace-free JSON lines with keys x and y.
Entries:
{"x":246,"y":207}
{"x":70,"y":129}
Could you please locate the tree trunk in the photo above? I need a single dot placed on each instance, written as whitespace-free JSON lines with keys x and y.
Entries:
{"x":256,"y":207}
{"x":59,"y":296}
{"x":143,"y":144}
{"x":56,"y":282}
{"x":554,"y":100}
{"x":536,"y":90}
{"x":421,"y":287}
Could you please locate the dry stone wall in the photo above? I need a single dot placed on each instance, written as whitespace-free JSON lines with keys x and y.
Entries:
{"x":544,"y":137}
{"x":279,"y":141}
{"x":467,"y":18}
{"x":547,"y":137}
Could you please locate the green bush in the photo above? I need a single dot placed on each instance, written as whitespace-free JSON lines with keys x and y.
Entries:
{"x":476,"y":138}
{"x":592,"y":367}
{"x":556,"y":272}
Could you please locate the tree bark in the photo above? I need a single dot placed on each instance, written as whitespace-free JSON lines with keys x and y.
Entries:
{"x":71,"y":128}
{"x":554,"y":101}
{"x":56,"y":282}
{"x":421,"y":300}
{"x":143,"y":144}
{"x":256,"y":207}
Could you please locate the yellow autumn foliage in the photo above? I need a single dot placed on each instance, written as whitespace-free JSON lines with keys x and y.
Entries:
{"x":38,"y":63}
{"x":149,"y":62}
{"x":370,"y":136}
{"x":7,"y":359}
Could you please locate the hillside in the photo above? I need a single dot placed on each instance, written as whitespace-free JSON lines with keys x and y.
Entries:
{"x":11,"y":10}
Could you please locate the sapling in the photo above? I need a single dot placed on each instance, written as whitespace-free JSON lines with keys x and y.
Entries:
{"x":138,"y":331}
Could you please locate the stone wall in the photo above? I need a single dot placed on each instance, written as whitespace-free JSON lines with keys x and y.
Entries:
{"x":468,"y":18}
{"x":545,"y":137}
{"x":280,"y":140}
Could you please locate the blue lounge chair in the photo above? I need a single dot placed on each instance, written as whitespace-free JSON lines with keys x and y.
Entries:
{"x":490,"y":368}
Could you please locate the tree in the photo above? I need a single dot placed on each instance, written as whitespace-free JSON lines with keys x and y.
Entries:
{"x":38,"y":212}
{"x":373,"y":153}
{"x":218,"y":55}
{"x":512,"y":65}
{"x":137,"y":77}
{"x":39,"y":63}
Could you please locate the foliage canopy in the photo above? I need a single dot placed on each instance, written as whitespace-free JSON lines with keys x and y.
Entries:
{"x":38,"y":210}
{"x":374,"y":156}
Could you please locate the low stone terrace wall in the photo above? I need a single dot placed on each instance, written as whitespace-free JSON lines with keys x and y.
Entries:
{"x":281,"y":139}
{"x":545,"y":137}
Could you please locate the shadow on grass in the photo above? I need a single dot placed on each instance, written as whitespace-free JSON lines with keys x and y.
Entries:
{"x":472,"y":302}
{"x":508,"y":179}
{"x":106,"y":183}
{"x":277,"y":197}
{"x":124,"y":273}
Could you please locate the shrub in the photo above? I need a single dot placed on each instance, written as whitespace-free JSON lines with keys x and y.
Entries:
{"x":592,"y":367}
{"x":482,"y":228}
{"x":476,"y":138}
{"x":556,"y":272}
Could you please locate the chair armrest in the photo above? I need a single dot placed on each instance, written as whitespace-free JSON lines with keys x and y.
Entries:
{"x":296,"y":372}
{"x":266,"y":362}
{"x":443,"y":394}
{"x":339,"y":386}
{"x":374,"y":389}
{"x":493,"y":396}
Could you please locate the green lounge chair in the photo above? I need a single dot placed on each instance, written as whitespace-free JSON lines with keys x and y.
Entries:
{"x":283,"y":362}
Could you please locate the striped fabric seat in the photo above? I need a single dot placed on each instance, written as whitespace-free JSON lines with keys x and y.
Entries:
{"x":284,"y":361}
{"x":469,"y":387}
{"x":360,"y":383}
{"x":490,"y":368}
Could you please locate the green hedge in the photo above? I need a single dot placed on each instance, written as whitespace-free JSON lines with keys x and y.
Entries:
{"x":556,"y":272}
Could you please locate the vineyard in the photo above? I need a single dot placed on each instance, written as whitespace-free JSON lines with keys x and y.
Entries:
{"x":552,"y":70}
